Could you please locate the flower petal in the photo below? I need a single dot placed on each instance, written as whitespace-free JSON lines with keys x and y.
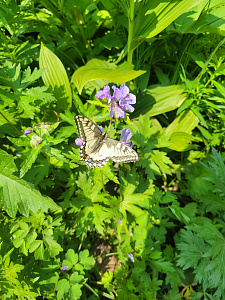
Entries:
{"x":125,"y":135}
{"x":120,"y":221}
{"x":111,"y":110}
{"x":131,"y":256}
{"x":120,"y":112}
{"x":124,"y":90}
{"x":27,"y":131}
{"x":117,"y":95}
{"x":78,"y":142}
{"x":102,"y":94}
{"x":100,"y":127}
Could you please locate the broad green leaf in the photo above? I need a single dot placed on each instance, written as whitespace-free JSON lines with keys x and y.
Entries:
{"x":156,"y":15}
{"x":17,"y":194}
{"x":208,"y":16}
{"x":55,"y":76}
{"x":159,"y":99}
{"x":99,"y":69}
{"x":185,"y":122}
{"x":181,"y":141}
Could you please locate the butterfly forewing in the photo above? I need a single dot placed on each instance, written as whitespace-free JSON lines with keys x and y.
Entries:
{"x":97,"y":147}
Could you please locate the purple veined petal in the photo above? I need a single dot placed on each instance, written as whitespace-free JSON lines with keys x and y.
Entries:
{"x":78,"y":142}
{"x":132,"y":98}
{"x":125,"y":135}
{"x":124,"y":90}
{"x":120,"y":221}
{"x":131,"y":256}
{"x":119,"y":112}
{"x":27,"y":131}
{"x":127,"y":107}
{"x":111,"y":110}
{"x":100,"y":127}
{"x":117,"y":95}
{"x":64,"y":268}
{"x":103,"y":94}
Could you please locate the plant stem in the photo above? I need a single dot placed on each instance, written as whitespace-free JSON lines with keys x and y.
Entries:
{"x":103,"y":186}
{"x":130,"y":33}
{"x":11,"y":124}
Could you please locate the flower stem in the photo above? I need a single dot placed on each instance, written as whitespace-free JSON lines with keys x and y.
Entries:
{"x":103,"y":186}
{"x":130,"y":33}
{"x":11,"y":123}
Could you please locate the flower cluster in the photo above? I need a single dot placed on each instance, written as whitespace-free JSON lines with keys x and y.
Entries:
{"x":120,"y":100}
{"x":41,"y":130}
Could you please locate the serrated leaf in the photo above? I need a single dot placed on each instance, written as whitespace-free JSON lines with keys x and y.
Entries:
{"x":56,"y":77}
{"x":17,"y":194}
{"x":30,"y":159}
{"x":99,"y":69}
{"x":7,"y":164}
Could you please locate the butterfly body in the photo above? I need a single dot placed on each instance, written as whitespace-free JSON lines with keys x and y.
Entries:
{"x":97,"y":147}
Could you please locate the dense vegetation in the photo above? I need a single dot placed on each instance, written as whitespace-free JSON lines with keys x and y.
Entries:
{"x":153,"y":229}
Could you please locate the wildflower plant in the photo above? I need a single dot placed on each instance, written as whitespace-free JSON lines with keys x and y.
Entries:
{"x":153,"y":229}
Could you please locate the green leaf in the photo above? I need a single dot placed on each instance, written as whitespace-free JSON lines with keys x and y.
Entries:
{"x":75,"y":278}
{"x":31,"y":157}
{"x":185,"y":122}
{"x":7,"y":164}
{"x":159,"y":99}
{"x":99,"y":69}
{"x":156,"y":15}
{"x":75,"y":292}
{"x":53,"y":247}
{"x":17,"y":194}
{"x":85,"y":260}
{"x":62,"y":286}
{"x":56,"y":77}
{"x":72,"y":256}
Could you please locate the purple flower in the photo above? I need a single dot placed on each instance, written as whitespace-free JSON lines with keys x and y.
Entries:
{"x":125,"y":136}
{"x":27,"y":131}
{"x":131,"y":256}
{"x":103,"y":94}
{"x":100,"y":127}
{"x":64,"y":268}
{"x":78,"y":142}
{"x":120,"y":221}
{"x":120,"y":101}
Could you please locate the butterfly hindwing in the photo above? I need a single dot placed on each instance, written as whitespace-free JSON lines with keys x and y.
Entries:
{"x":97,"y":148}
{"x":121,"y":153}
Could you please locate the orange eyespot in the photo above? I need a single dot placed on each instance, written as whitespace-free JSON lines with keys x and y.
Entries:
{"x":87,"y":157}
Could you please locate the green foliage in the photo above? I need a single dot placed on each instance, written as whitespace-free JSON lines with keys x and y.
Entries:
{"x":153,"y":229}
